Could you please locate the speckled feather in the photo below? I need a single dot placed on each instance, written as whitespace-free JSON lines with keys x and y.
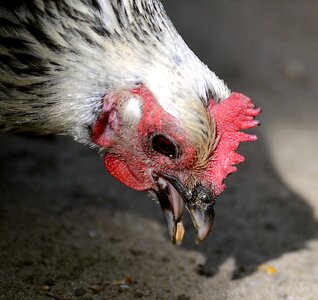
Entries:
{"x":59,"y":58}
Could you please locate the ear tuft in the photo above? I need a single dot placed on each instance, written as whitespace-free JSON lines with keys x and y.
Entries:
{"x":107,"y":122}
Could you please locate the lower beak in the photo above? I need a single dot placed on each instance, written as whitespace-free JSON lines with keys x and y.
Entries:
{"x":173,"y":197}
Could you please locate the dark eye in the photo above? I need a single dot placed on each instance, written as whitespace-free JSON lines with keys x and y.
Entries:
{"x":163,"y":145}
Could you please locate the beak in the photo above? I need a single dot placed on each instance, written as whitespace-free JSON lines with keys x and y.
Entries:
{"x":202,"y":211}
{"x":173,"y":197}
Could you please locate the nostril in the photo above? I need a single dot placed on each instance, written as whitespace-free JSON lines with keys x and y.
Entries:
{"x":202,"y":194}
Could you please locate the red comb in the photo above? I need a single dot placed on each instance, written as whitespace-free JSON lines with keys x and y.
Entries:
{"x":231,"y":115}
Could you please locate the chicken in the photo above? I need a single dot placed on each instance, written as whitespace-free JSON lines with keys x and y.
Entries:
{"x":116,"y":75}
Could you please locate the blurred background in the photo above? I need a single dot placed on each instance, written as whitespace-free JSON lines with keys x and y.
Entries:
{"x":70,"y":231}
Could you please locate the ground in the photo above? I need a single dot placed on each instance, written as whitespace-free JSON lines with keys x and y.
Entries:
{"x":70,"y":231}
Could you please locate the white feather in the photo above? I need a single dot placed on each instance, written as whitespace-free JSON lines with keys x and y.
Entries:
{"x":136,"y":48}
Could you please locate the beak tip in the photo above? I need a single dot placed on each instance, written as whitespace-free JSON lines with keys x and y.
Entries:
{"x":180,"y":231}
{"x":203,"y":219}
{"x":198,"y":241}
{"x":203,"y":233}
{"x":173,"y":196}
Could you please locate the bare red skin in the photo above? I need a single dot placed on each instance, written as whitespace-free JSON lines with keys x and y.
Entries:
{"x":155,"y":120}
{"x":130,"y":165}
{"x":134,"y":165}
{"x":126,"y":173}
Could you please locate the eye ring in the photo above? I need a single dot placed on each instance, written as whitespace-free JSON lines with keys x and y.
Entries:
{"x":165,"y":146}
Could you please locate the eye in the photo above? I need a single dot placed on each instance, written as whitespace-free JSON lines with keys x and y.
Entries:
{"x":164,"y":146}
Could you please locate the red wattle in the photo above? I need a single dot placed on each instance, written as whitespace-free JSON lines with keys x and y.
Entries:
{"x":119,"y":169}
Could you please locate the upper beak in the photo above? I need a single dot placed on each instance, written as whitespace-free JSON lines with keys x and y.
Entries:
{"x":173,"y":196}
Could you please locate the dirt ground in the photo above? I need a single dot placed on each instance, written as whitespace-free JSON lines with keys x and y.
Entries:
{"x":70,"y":231}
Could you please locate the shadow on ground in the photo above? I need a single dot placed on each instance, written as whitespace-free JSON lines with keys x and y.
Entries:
{"x":65,"y":224}
{"x":258,"y":218}
{"x":69,"y":231}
